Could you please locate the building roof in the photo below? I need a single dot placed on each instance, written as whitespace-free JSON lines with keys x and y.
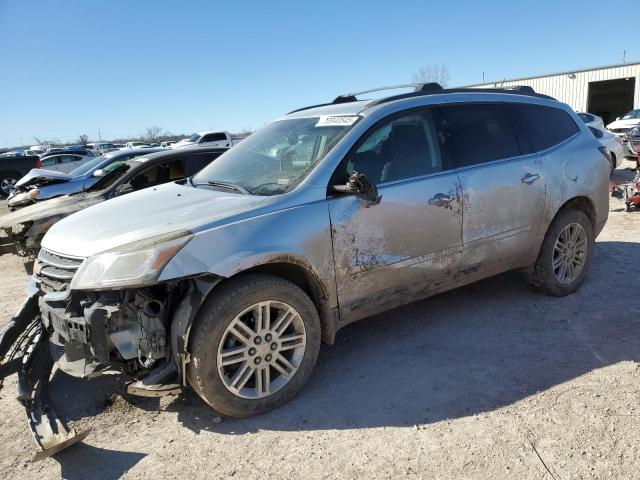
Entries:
{"x":567,"y":72}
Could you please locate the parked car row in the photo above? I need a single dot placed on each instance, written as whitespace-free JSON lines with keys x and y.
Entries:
{"x":617,"y":136}
{"x":227,"y":280}
{"x":118,"y":174}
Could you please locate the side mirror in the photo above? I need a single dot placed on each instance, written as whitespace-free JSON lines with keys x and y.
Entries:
{"x":123,"y":189}
{"x":99,"y":173}
{"x":360,"y":185}
{"x":617,"y":118}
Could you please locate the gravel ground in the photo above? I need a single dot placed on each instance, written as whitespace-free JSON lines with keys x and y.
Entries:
{"x":488,"y":381}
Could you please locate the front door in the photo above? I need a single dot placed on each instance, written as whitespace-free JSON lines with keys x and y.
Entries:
{"x":408,"y":244}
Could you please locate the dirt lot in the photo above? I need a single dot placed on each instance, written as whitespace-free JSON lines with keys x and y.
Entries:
{"x":488,"y":381}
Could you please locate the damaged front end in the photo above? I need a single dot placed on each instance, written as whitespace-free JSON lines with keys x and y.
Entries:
{"x":24,"y":229}
{"x":139,"y":332}
{"x":24,"y":350}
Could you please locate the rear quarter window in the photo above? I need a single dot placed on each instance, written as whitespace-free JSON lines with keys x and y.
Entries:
{"x":543,"y":126}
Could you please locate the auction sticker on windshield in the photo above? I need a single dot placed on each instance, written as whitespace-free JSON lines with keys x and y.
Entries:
{"x":336,"y":120}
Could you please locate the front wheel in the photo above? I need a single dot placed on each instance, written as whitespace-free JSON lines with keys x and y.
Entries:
{"x":565,"y":254}
{"x":254,"y":345}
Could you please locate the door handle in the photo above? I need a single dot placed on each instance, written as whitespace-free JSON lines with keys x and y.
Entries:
{"x":529,"y":178}
{"x":441,"y":200}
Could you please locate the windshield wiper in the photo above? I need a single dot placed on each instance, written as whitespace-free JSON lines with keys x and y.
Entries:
{"x":227,"y":185}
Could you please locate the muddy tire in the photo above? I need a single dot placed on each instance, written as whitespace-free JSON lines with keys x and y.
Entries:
{"x":253,"y":346}
{"x":565,"y":255}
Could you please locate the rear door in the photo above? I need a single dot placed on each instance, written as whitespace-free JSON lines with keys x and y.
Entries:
{"x":503,"y":186}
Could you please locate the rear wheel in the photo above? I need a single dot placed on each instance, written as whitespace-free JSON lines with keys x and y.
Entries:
{"x":254,"y":345}
{"x":565,"y":254}
{"x":7,"y":181}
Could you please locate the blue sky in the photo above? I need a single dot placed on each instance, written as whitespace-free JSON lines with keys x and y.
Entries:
{"x":71,"y":67}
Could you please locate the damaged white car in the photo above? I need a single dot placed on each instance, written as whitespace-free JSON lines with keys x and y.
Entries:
{"x":226,"y":282}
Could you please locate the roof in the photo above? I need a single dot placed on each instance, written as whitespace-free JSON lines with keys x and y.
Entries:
{"x":349,"y":104}
{"x":180,"y":152}
{"x":567,"y":72}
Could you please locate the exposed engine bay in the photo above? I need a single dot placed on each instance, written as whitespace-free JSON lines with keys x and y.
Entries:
{"x":87,"y":334}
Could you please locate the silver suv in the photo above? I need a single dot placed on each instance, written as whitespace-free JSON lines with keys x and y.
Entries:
{"x":228,"y":281}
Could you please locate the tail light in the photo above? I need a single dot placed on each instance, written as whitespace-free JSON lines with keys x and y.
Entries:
{"x":605,"y":152}
{"x":38,"y":163}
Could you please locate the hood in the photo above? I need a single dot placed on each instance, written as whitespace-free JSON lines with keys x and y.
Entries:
{"x":143,"y":214}
{"x":59,"y":206}
{"x":39,"y":176}
{"x":632,"y":122}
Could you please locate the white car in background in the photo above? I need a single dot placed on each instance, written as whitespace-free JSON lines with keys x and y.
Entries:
{"x":591,"y":120}
{"x":625,"y":123}
{"x":210,"y":139}
{"x":132,"y":145}
{"x":612,"y":143}
{"x":64,"y":162}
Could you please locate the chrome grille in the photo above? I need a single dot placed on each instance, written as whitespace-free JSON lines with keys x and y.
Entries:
{"x":54,"y":272}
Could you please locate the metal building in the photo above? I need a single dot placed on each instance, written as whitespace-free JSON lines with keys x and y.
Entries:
{"x":609,"y":91}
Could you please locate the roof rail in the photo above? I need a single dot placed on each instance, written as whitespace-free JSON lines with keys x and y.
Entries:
{"x":514,"y":90}
{"x":431,"y":88}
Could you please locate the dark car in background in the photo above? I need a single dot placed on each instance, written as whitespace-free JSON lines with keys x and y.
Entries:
{"x":42,"y":184}
{"x":13,"y":168}
{"x":26,"y":227}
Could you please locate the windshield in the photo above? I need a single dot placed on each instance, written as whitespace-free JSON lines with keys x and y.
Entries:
{"x":277,"y":157}
{"x":86,"y":167}
{"x":192,"y":138}
{"x":632,"y":115}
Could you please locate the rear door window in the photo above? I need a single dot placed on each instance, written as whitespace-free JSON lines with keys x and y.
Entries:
{"x":544,"y":126}
{"x":214,"y":137}
{"x":472,"y":134}
{"x":159,"y":174}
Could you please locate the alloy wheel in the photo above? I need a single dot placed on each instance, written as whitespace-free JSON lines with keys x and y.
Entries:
{"x":570,"y":253}
{"x":6,"y":185}
{"x":261,"y":349}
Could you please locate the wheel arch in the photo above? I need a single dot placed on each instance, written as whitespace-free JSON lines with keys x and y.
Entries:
{"x":581,"y":203}
{"x":296,"y":272}
{"x":309,"y":282}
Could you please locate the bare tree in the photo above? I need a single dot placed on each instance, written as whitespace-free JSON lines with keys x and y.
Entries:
{"x":54,"y":142}
{"x":433,"y":73}
{"x":82,"y":139}
{"x":152,"y":134}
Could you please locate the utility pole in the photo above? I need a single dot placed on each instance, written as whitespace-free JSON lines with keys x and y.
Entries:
{"x":99,"y":136}
{"x":624,"y":56}
{"x":482,"y":77}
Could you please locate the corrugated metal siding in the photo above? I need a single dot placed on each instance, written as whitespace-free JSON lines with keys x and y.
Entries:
{"x":574,"y":91}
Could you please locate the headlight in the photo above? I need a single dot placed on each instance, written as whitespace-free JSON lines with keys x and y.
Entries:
{"x":23,"y":197}
{"x":634,"y":132}
{"x":136,"y":264}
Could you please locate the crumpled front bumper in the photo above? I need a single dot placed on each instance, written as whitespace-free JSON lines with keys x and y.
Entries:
{"x":25,"y":350}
